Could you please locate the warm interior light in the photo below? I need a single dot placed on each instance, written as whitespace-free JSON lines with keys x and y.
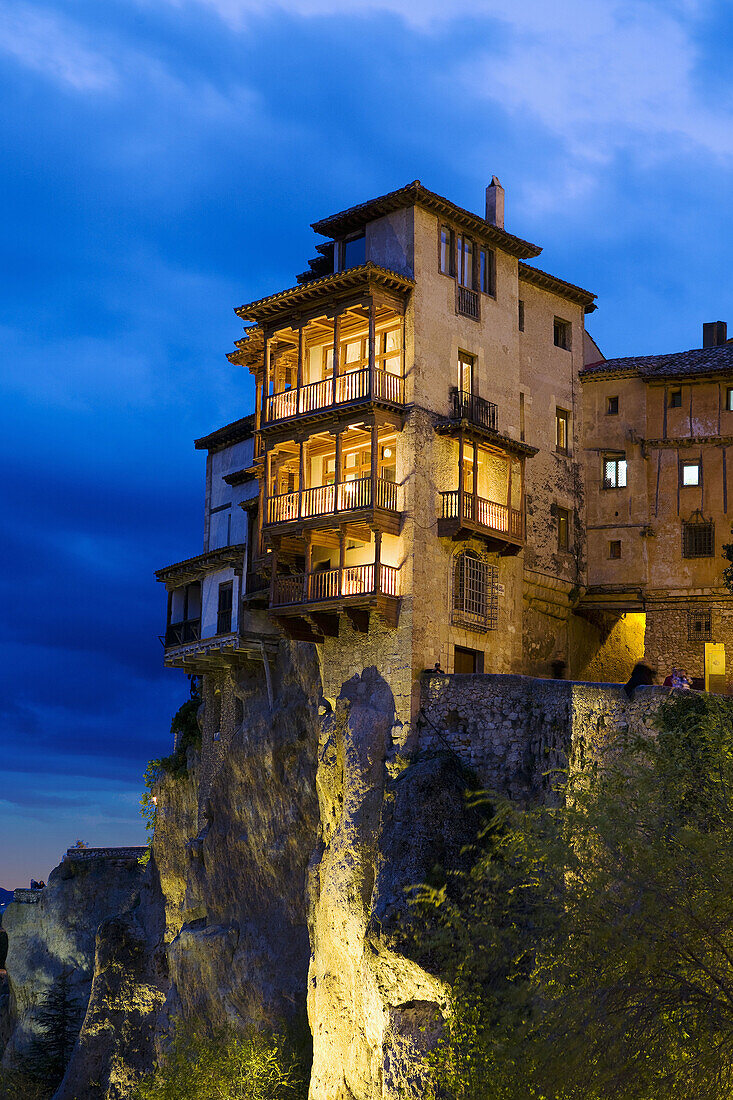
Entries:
{"x":387,"y":452}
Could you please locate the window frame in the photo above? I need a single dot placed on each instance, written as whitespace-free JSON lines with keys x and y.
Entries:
{"x":483,"y":260}
{"x":612,"y":405}
{"x":520,"y":314}
{"x":614,"y":458}
{"x":690,"y":464}
{"x":451,"y":251}
{"x":472,"y":606}
{"x":613,"y":546}
{"x":225,"y":588}
{"x":560,"y":325}
{"x":562,"y":417}
{"x":564,"y":519}
{"x":729,"y":399}
{"x":673,"y":395}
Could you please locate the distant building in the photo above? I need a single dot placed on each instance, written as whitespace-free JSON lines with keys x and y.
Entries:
{"x":416,"y":484}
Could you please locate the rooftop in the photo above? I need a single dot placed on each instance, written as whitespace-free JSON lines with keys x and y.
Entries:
{"x":558,"y":286}
{"x":235,"y":432}
{"x":414,"y":194}
{"x":679,"y":364}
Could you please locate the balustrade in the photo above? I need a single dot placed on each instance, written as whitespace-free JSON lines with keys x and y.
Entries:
{"x":487,"y":513}
{"x":334,"y":584}
{"x":325,"y":500}
{"x":350,"y":386}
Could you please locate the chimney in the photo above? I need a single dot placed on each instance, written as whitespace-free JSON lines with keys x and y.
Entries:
{"x":495,"y":203}
{"x":714,"y":333}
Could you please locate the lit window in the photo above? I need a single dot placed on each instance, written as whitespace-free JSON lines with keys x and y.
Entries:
{"x":675,"y":399}
{"x":465,"y":261}
{"x":561,"y":333}
{"x":612,"y":406}
{"x":729,"y":399}
{"x":614,"y":472}
{"x":614,"y":548}
{"x":689,"y":473}
{"x":563,"y":530}
{"x":465,"y":373}
{"x":561,"y":430}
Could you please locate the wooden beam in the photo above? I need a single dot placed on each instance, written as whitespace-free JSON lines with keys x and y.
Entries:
{"x":359,"y":619}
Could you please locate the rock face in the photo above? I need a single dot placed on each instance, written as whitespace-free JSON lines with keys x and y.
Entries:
{"x":373,"y":1010}
{"x":58,"y":935}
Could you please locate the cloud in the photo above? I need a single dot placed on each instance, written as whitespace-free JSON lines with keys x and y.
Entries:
{"x":44,"y":43}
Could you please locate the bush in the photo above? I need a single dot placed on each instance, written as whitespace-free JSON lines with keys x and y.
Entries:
{"x":16,"y":1084}
{"x":226,"y":1066}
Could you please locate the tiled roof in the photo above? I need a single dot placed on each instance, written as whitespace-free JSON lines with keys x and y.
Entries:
{"x":414,"y":194}
{"x":680,"y":364}
{"x":235,"y":432}
{"x":558,"y":286}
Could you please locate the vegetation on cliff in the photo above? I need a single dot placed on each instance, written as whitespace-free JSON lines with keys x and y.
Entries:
{"x":186,"y":735}
{"x":591,"y":947}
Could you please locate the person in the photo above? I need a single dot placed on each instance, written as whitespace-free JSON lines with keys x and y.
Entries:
{"x":640,"y":674}
{"x":680,"y":680}
{"x":438,"y":668}
{"x":668,"y":680}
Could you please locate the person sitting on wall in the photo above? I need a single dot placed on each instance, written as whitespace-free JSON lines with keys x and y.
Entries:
{"x":640,"y":674}
{"x":680,"y":680}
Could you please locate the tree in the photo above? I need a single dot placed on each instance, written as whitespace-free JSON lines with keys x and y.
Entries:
{"x":591,"y":946}
{"x":225,"y":1066}
{"x":58,"y":1017}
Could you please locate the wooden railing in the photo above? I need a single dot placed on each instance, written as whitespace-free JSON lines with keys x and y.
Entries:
{"x":467,"y":406}
{"x":180,"y":633}
{"x":350,"y":386}
{"x":487,"y":513}
{"x":326,"y":500}
{"x":335,"y":584}
{"x":468,"y":302}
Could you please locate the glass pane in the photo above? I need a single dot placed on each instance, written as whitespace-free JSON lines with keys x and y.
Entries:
{"x":621,"y":473}
{"x":445,"y":250}
{"x":691,"y":474}
{"x":393,"y":340}
{"x":355,"y":252}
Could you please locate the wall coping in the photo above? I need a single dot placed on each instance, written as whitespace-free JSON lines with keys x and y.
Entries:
{"x":79,"y":855}
{"x":27,"y":896}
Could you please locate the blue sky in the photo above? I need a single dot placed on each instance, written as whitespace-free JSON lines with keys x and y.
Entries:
{"x":162,"y":161}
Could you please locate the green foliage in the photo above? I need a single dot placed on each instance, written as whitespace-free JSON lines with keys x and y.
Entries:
{"x":58,"y":1017}
{"x":591,"y":947}
{"x":728,"y":571}
{"x":186,"y":735}
{"x":226,"y":1066}
{"x":16,"y":1084}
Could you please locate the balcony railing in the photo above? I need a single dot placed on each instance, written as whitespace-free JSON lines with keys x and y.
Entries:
{"x":468,"y":302}
{"x":179,"y":633}
{"x":336,"y":584}
{"x":467,"y":406}
{"x":486,"y":513}
{"x":326,"y":500}
{"x":350,"y":386}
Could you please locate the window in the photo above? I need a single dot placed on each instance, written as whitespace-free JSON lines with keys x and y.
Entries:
{"x":563,"y":530}
{"x":224,"y":613}
{"x":614,"y":472}
{"x":487,"y":271}
{"x":447,"y":250}
{"x":464,"y":250}
{"x":614,"y":549}
{"x":465,"y":373}
{"x":675,"y":399}
{"x":354,"y":252}
{"x":699,"y":626}
{"x":475,"y":591}
{"x":467,"y":661}
{"x":521,"y":315}
{"x":698,"y":539}
{"x":521,"y":417}
{"x":729,"y":399}
{"x":561,"y":333}
{"x":612,"y":406}
{"x":690,"y":473}
{"x":562,"y":417}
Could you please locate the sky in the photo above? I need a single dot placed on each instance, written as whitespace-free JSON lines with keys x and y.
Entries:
{"x":162,"y":162}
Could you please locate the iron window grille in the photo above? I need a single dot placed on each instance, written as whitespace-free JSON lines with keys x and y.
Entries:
{"x":698,"y":539}
{"x":699,"y":626}
{"x":475,"y":592}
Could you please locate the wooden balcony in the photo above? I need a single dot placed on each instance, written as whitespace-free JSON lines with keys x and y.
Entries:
{"x":182,"y":633}
{"x":333,"y":393}
{"x":379,"y":497}
{"x":317,"y":597}
{"x":499,"y":525}
{"x":468,"y":302}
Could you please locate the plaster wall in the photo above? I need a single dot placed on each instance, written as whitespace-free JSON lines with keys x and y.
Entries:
{"x":210,"y":600}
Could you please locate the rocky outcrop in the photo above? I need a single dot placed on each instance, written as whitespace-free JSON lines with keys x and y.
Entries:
{"x":57,"y":935}
{"x":374,"y":1010}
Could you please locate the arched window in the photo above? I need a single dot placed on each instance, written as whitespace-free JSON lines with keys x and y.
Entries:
{"x":475,"y":590}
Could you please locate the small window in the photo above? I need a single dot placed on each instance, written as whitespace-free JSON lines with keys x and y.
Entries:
{"x":562,"y":418}
{"x":521,"y":315}
{"x":698,"y":539}
{"x":675,"y":399}
{"x":224,"y":611}
{"x":563,"y":530}
{"x":614,"y":472}
{"x":467,"y":661}
{"x":465,"y":373}
{"x":465,"y":252}
{"x":689,"y":473}
{"x":699,"y":626}
{"x":612,"y":406}
{"x":729,"y":399}
{"x":521,"y":417}
{"x":487,"y":271}
{"x":355,"y":252}
{"x":475,"y":592}
{"x":614,"y":549}
{"x":447,"y":250}
{"x":561,"y":333}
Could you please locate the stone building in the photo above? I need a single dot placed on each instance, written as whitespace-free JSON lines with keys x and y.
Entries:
{"x":657,"y":431}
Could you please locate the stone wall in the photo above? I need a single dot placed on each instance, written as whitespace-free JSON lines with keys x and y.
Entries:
{"x":668,"y":644}
{"x":82,"y":855}
{"x":515,"y":732}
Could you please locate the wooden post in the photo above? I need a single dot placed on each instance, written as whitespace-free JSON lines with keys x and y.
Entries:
{"x":521,"y":496}
{"x":374,"y":464}
{"x":460,"y":476}
{"x":337,"y":474}
{"x":342,"y":552}
{"x":273,"y":574}
{"x":372,"y":347}
{"x":268,"y":487}
{"x":336,"y":332}
{"x":301,"y":477}
{"x":258,"y":406}
{"x":261,"y":510}
{"x":170,"y":609}
{"x":265,"y":378}
{"x":377,"y":561}
{"x":475,"y":482}
{"x":308,"y":537}
{"x":509,"y":494}
{"x":299,"y":380}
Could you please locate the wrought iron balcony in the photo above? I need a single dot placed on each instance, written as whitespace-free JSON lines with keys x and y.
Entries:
{"x":468,"y":302}
{"x":467,"y":406}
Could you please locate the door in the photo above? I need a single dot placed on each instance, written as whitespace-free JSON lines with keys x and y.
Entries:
{"x":715,"y":667}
